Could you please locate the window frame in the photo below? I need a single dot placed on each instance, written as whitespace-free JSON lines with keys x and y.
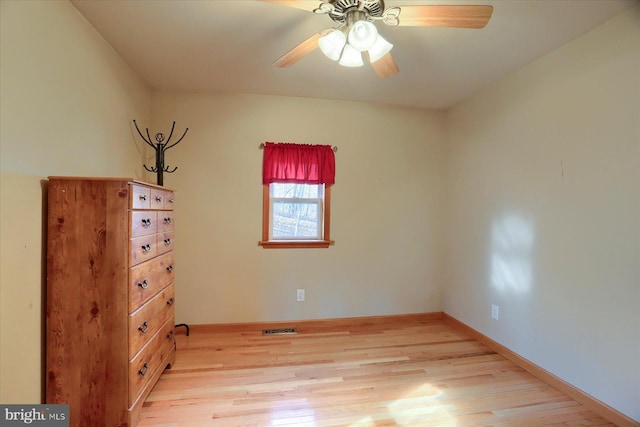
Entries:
{"x":267,"y":243}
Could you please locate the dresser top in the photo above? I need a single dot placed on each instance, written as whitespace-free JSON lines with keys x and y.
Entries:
{"x":94,"y":178}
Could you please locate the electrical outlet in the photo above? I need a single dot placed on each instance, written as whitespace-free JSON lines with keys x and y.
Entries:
{"x":300,"y":295}
{"x":495,"y":311}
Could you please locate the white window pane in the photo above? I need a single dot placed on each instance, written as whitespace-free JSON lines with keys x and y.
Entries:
{"x":295,"y":220}
{"x":301,"y":191}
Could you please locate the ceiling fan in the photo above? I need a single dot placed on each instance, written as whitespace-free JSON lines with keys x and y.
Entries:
{"x":356,"y":32}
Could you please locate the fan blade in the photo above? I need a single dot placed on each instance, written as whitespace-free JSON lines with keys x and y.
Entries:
{"x":300,"y":51}
{"x":309,"y":5}
{"x":453,"y":16}
{"x":385,"y":66}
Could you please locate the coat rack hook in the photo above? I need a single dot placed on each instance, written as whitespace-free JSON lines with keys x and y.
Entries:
{"x":160,"y":146}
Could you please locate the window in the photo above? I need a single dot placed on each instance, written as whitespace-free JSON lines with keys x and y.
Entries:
{"x":296,"y":216}
{"x":296,"y":201}
{"x":295,"y":212}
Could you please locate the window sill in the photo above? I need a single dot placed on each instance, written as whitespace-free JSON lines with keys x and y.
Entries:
{"x":289,"y":244}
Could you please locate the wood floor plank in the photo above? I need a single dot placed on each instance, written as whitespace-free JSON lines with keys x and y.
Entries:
{"x":418,"y":371}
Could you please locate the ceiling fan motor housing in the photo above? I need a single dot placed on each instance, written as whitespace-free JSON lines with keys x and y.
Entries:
{"x":341,"y":7}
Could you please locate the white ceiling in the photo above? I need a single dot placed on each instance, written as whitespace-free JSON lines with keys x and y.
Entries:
{"x":229,"y":46}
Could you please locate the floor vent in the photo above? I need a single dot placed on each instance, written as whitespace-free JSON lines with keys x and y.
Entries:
{"x":280,"y":331}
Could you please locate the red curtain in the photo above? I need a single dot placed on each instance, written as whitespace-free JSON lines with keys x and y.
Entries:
{"x":298,"y":163}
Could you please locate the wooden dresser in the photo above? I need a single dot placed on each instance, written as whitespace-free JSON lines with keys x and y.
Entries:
{"x":110,"y":296}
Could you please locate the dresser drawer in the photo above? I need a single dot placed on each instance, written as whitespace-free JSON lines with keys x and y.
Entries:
{"x":164,"y":242}
{"x":140,"y":197}
{"x":169,"y":200}
{"x":157,"y":198}
{"x":149,"y":278}
{"x":142,"y":249}
{"x":166,"y":221}
{"x":149,"y":359}
{"x":143,"y":223}
{"x":147,"y":320}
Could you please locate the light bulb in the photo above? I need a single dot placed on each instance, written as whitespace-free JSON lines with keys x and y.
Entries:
{"x":380,"y":48}
{"x":351,"y":57}
{"x":362,"y":35}
{"x":331,"y":44}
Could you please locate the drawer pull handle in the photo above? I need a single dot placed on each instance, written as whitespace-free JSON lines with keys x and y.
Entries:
{"x":144,"y":284}
{"x":144,"y":327}
{"x":167,"y":220}
{"x":170,"y":268}
{"x":158,"y":199}
{"x":170,"y":301}
{"x":146,"y":248}
{"x":144,"y":369}
{"x":146,"y":222}
{"x":143,"y":197}
{"x":170,"y":334}
{"x":171,"y":201}
{"x":167,"y":242}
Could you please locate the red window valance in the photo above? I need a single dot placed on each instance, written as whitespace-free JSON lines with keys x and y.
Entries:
{"x":298,"y":163}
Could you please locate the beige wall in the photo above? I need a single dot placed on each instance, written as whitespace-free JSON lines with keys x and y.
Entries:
{"x":66,"y":107}
{"x":543,"y":197}
{"x":386,"y":207}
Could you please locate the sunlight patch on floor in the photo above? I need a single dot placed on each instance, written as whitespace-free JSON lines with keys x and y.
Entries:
{"x":365,"y":422}
{"x":420,"y":404}
{"x":290,"y":415}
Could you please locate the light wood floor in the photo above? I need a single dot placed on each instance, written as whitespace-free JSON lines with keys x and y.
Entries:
{"x":408,"y":371}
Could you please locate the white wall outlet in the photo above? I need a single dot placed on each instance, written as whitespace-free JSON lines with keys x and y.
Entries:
{"x":495,"y":311}
{"x":300,"y":295}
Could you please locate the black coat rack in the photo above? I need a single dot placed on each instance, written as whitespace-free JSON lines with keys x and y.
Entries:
{"x":160,"y":146}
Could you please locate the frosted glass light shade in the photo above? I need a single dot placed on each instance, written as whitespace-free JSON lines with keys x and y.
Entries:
{"x":379,"y":49}
{"x":351,"y":57}
{"x":331,"y":44}
{"x":362,"y":35}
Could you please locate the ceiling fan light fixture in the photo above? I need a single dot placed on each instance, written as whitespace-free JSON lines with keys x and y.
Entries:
{"x":351,"y":57}
{"x":363,"y":35}
{"x":380,"y":48}
{"x":332,"y":44}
